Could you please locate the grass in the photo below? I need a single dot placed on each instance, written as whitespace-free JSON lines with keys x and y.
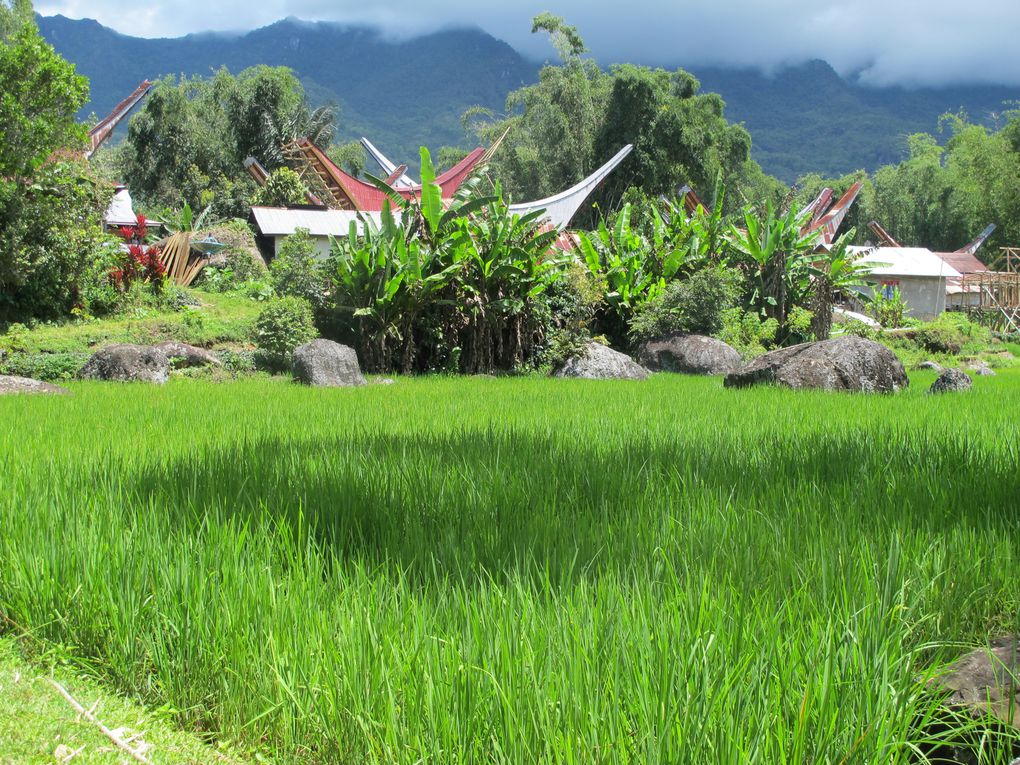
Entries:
{"x":518,"y":570}
{"x":222,"y":317}
{"x":37,"y":726}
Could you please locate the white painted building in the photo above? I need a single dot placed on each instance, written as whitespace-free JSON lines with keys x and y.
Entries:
{"x":274,"y":224}
{"x":919,"y":274}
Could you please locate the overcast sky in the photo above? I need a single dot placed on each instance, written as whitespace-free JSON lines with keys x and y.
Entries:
{"x":912,"y":42}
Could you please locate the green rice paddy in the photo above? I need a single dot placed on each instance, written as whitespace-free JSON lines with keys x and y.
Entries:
{"x":519,"y":570}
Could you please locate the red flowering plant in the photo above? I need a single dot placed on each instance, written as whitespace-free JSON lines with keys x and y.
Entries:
{"x":140,"y":262}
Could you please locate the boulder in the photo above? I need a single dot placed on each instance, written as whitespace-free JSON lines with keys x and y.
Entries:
{"x":931,"y":365}
{"x":599,"y":362}
{"x":980,"y":709}
{"x":10,"y":384}
{"x":689,"y":355}
{"x":184,"y":356}
{"x":846,"y":363}
{"x":326,"y":364}
{"x":952,"y":381}
{"x":127,"y":363}
{"x":986,"y":681}
{"x":983,"y":370}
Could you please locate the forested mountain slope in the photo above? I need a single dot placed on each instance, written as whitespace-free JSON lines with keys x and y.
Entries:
{"x":405,"y":93}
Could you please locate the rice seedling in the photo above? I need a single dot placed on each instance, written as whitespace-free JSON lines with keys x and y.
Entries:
{"x":518,"y":570}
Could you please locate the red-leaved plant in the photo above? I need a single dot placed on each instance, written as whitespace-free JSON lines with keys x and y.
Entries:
{"x":141,"y":262}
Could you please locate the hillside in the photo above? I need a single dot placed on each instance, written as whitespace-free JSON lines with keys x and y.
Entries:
{"x":809,"y":119}
{"x":402,"y":94}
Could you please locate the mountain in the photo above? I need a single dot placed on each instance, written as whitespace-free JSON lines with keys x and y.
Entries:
{"x":402,"y":94}
{"x":807,"y":118}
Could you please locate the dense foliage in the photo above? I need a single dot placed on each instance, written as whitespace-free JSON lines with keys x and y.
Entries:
{"x":578,"y":115}
{"x":943,"y":196}
{"x":52,"y":253}
{"x":190,"y":139}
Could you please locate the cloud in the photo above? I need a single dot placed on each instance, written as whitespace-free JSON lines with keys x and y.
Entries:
{"x":884,"y":41}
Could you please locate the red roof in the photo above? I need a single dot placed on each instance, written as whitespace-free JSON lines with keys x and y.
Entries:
{"x":365,"y":196}
{"x":963,"y":262}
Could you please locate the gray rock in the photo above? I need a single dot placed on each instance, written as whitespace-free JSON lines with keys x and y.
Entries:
{"x":847,"y":363}
{"x":326,"y":364}
{"x":127,"y":363}
{"x":690,"y":355}
{"x":600,"y":362}
{"x":385,"y":381}
{"x":931,"y":365}
{"x":184,"y":356}
{"x":986,"y":681}
{"x":983,"y":370}
{"x":10,"y":384}
{"x":952,"y":381}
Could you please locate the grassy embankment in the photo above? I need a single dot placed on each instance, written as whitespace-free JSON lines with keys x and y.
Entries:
{"x":465,"y":570}
{"x":58,"y":351}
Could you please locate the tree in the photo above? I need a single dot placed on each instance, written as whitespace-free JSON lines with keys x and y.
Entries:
{"x":283,"y":187}
{"x":578,"y":116}
{"x":39,"y":96}
{"x":192,"y":136}
{"x":50,"y":205}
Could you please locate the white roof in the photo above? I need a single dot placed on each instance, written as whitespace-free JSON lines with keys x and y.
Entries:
{"x":561,"y":208}
{"x":120,"y":212}
{"x":905,"y":261}
{"x":281,"y":221}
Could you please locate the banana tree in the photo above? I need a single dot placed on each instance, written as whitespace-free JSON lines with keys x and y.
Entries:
{"x":509,"y":262}
{"x":776,"y":258}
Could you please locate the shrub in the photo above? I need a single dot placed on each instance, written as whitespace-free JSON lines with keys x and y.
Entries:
{"x":282,"y":326}
{"x":44,"y":366}
{"x":747,"y":332}
{"x":50,"y":239}
{"x":888,"y":310}
{"x":283,"y":187}
{"x":297,"y":270}
{"x":939,"y":339}
{"x":693,"y":306}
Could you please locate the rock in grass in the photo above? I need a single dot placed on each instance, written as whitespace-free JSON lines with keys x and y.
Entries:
{"x":9,"y":384}
{"x":847,"y":363}
{"x":689,"y":355}
{"x":933,"y":366}
{"x":983,"y":370}
{"x":127,"y":363}
{"x":986,"y":681}
{"x":952,"y":381}
{"x":325,"y":364}
{"x":599,"y":362}
{"x":184,"y":356}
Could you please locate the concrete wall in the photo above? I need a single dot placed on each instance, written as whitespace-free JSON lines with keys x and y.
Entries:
{"x":925,"y":296}
{"x":321,"y":245}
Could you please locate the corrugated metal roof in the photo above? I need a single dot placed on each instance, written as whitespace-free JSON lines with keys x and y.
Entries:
{"x":963,"y":262}
{"x":905,"y":261}
{"x":282,"y":221}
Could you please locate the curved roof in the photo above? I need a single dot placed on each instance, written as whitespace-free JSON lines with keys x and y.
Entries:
{"x":367,"y":197}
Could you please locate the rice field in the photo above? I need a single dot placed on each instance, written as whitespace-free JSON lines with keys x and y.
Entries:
{"x":517,"y":570}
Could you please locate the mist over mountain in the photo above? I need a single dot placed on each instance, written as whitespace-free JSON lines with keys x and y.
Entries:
{"x":404,"y":93}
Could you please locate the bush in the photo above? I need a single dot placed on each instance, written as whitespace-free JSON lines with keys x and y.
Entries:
{"x":297,"y":270}
{"x":939,"y":339}
{"x":747,"y":332}
{"x":693,"y":306}
{"x":282,"y":326}
{"x":51,"y":240}
{"x":888,"y":311}
{"x":50,"y":367}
